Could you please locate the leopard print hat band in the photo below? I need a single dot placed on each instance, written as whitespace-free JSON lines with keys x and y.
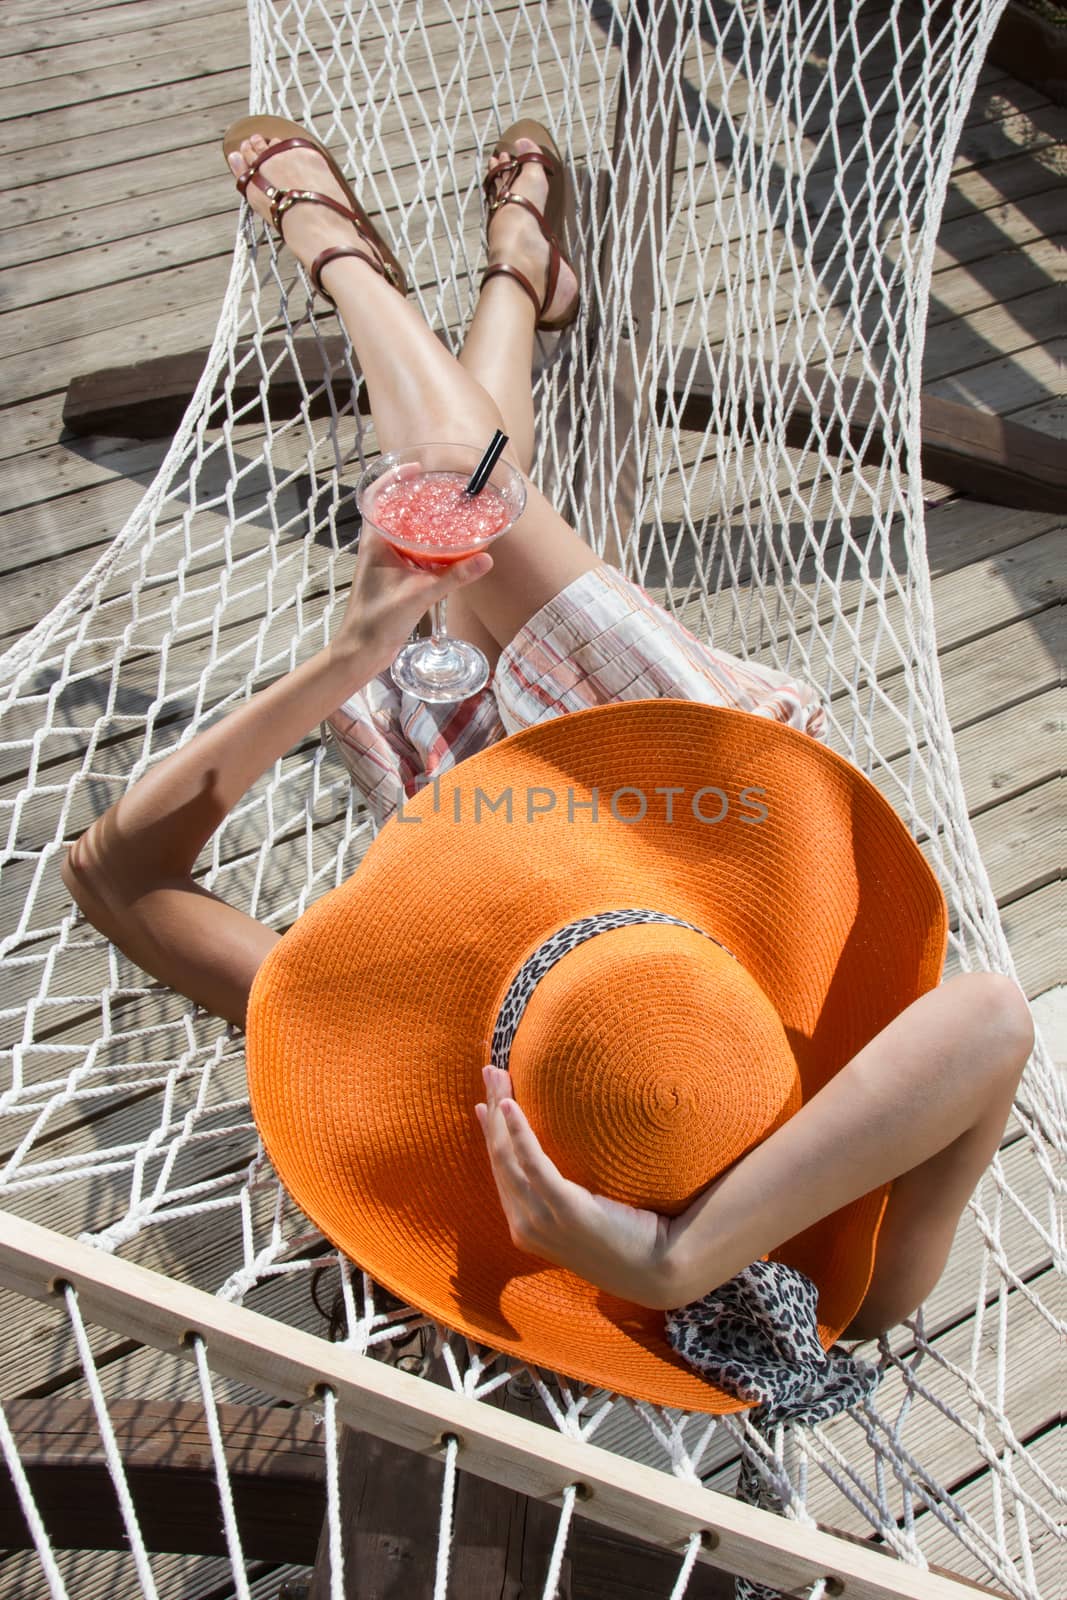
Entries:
{"x":553,"y":949}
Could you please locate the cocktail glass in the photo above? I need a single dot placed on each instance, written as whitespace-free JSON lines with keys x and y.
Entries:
{"x":415,"y":499}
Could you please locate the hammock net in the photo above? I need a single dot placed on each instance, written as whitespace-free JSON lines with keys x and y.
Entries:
{"x":772,"y":261}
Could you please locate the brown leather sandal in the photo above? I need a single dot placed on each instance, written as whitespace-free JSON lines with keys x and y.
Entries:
{"x":558,"y":211}
{"x":292,"y":136}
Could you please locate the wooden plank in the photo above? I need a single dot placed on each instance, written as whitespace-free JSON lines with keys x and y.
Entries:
{"x":157,"y":293}
{"x":152,"y":27}
{"x":77,"y":196}
{"x":164,"y":218}
{"x":1008,"y":235}
{"x":35,"y":48}
{"x":1007,"y":383}
{"x":71,"y":316}
{"x":39,"y":476}
{"x":30,"y":425}
{"x":992,"y":1506}
{"x":55,"y":144}
{"x":390,"y":1520}
{"x":407,"y":1411}
{"x":1031,"y":926}
{"x":43,"y":55}
{"x":33,"y":95}
{"x":148,"y":398}
{"x":1019,"y":840}
{"x":183,"y":327}
{"x":1048,"y":415}
{"x":126,"y":1368}
{"x":105,"y":1575}
{"x":49,"y":144}
{"x":52,"y":198}
{"x":1008,"y":753}
{"x":1026,"y":125}
{"x":97,"y":266}
{"x":186,"y":147}
{"x":999,"y":669}
{"x":98,"y":16}
{"x":1032,"y":318}
{"x":88,"y":518}
{"x":1003,"y":277}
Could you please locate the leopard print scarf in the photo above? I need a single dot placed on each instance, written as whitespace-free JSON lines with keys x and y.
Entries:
{"x":755,"y":1336}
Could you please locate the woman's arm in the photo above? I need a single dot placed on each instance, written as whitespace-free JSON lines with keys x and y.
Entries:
{"x":131,"y":872}
{"x":928,"y":1097}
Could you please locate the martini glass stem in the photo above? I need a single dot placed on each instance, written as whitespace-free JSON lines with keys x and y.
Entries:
{"x":439,"y":625}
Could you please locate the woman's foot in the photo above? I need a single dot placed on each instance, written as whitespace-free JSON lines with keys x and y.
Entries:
{"x":515,"y":240}
{"x":308,"y":229}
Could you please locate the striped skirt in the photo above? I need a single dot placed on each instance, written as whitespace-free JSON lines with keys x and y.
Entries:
{"x":601,"y":639}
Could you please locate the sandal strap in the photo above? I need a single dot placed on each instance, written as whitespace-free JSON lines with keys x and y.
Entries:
{"x":527,"y":205}
{"x":282,"y":200}
{"x":502,"y":270}
{"x":555,"y":248}
{"x":508,"y":173}
{"x":324,"y":258}
{"x":266,"y":155}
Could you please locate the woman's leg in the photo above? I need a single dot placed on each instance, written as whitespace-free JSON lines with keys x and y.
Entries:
{"x":499,"y":349}
{"x":983,"y":1039}
{"x":419,"y":393}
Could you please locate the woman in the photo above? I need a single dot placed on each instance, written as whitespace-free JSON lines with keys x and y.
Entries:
{"x":922,"y":1105}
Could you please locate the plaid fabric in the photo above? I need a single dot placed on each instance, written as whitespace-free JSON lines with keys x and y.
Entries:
{"x":601,"y":639}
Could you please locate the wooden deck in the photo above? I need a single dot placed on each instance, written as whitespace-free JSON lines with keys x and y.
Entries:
{"x":120,"y":223}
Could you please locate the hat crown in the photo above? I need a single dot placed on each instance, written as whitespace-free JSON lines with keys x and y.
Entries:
{"x":647,"y":1061}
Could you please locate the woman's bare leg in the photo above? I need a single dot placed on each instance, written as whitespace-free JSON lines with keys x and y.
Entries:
{"x":978,"y":1034}
{"x":499,"y":349}
{"x":420,"y":393}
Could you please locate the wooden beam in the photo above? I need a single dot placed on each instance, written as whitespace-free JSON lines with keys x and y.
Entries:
{"x":623,"y":1495}
{"x":274,"y":1455}
{"x":984,"y":456}
{"x":277,"y":1466}
{"x":1031,"y":44}
{"x":391,"y":1514}
{"x":987,"y":457}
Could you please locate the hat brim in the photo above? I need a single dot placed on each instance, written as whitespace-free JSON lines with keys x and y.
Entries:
{"x":369,"y":1023}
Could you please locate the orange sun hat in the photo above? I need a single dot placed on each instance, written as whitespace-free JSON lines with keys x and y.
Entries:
{"x":680,"y":922}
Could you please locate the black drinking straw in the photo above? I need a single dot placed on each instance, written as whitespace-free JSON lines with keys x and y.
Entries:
{"x":480,"y":476}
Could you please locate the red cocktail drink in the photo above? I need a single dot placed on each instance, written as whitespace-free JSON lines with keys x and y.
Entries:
{"x":432,"y":519}
{"x":417,"y":501}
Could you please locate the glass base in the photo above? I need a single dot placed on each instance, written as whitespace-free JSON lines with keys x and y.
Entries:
{"x":440,"y":673}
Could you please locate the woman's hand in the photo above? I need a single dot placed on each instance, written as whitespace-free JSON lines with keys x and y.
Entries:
{"x":389,"y":594}
{"x":614,"y":1246}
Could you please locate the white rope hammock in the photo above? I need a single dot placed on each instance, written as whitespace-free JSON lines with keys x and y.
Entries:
{"x":813,"y":153}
